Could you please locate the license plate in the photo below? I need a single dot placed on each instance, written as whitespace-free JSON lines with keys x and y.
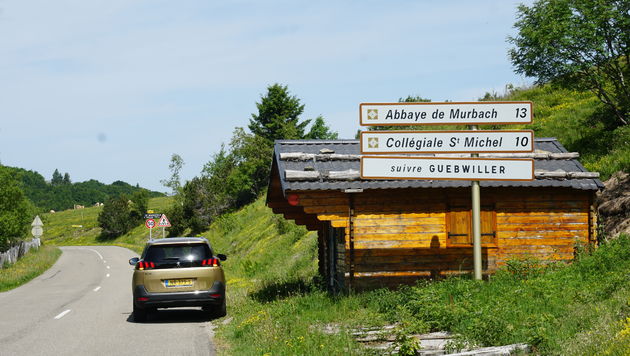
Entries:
{"x":172,"y":283}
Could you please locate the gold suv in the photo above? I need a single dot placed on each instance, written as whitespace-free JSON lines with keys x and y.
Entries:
{"x":178,"y":272}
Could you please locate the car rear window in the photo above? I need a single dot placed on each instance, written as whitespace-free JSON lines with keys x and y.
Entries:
{"x":177,"y":255}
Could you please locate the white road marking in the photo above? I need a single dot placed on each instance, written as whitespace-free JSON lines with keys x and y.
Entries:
{"x":97,"y":288}
{"x":107,"y":267}
{"x":104,"y":261}
{"x":62,"y":314}
{"x":108,"y":275}
{"x":99,"y":255}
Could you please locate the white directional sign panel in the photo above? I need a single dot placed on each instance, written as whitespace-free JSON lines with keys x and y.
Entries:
{"x":378,"y":142}
{"x":387,"y":167}
{"x":449,"y":113}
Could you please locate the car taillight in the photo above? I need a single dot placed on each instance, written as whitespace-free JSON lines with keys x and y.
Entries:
{"x":211,"y":262}
{"x":144,"y":265}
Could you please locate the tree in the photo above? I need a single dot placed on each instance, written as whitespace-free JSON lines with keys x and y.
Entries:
{"x":321,"y":131}
{"x":252,"y":159}
{"x":57,"y":178}
{"x":66,"y":179}
{"x":115,"y":218}
{"x":581,"y":44}
{"x":177,"y":162}
{"x":16,"y":211}
{"x":278,"y":115}
{"x":140,"y":204}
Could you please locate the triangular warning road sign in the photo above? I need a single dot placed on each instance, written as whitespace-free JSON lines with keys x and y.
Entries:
{"x":164,"y":221}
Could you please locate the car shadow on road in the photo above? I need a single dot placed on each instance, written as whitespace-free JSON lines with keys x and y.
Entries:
{"x":173,"y":316}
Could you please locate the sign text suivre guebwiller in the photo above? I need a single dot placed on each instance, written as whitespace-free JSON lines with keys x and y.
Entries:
{"x":449,"y":168}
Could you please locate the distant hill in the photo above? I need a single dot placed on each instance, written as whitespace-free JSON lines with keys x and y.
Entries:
{"x":64,"y":195}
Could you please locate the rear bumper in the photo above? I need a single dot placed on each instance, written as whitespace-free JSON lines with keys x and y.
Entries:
{"x":211,"y":297}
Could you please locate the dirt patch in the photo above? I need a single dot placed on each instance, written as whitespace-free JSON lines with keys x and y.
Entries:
{"x":614,"y":205}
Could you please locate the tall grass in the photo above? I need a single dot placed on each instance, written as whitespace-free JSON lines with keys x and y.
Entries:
{"x":28,"y":267}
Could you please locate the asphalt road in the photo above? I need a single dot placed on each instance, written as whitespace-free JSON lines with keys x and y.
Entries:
{"x":82,"y":306}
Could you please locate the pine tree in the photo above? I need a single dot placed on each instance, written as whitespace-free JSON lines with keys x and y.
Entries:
{"x":57,"y":178}
{"x":278,"y":115}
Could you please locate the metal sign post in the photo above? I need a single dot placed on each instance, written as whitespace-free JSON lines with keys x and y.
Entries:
{"x":150,"y":224}
{"x":476,"y":222}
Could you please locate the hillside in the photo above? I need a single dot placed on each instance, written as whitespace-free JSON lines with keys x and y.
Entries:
{"x":79,"y":227}
{"x":64,"y":195}
{"x":578,"y":120}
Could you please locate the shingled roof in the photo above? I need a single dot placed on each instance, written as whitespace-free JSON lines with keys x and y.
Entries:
{"x":334,"y":165}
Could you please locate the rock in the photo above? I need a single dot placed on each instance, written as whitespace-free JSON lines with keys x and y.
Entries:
{"x":614,"y":205}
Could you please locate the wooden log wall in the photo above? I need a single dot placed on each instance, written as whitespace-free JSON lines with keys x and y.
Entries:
{"x":400,"y":235}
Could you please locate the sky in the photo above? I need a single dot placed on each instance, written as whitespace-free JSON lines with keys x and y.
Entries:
{"x":110,"y":89}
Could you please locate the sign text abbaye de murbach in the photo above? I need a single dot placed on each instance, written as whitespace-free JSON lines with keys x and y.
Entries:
{"x":448,"y":113}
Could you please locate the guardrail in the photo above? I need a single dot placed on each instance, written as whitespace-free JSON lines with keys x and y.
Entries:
{"x":16,"y":252}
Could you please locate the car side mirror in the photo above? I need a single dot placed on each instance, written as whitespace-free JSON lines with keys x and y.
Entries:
{"x":134,"y":260}
{"x":222,"y":257}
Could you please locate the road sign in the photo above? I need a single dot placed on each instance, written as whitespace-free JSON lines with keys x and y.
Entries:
{"x":152,"y":216}
{"x":37,"y":231}
{"x":387,"y":167}
{"x":449,"y":113}
{"x":37,"y":221}
{"x":150,"y":223}
{"x":446,"y":141}
{"x":164,"y":221}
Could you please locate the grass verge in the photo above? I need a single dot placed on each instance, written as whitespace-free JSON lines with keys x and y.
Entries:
{"x":30,"y":266}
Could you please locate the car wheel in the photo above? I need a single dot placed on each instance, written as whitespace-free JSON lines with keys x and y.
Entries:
{"x":139,"y":314}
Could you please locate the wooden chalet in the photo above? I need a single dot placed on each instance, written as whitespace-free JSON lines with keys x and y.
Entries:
{"x":375,"y":233}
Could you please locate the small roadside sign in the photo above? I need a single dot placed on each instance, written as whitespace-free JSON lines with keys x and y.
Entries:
{"x":37,"y":221}
{"x":37,"y":231}
{"x":152,"y":216}
{"x":447,"y":113}
{"x":164,"y":221}
{"x":377,"y":142}
{"x":150,"y":223}
{"x":387,"y":167}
